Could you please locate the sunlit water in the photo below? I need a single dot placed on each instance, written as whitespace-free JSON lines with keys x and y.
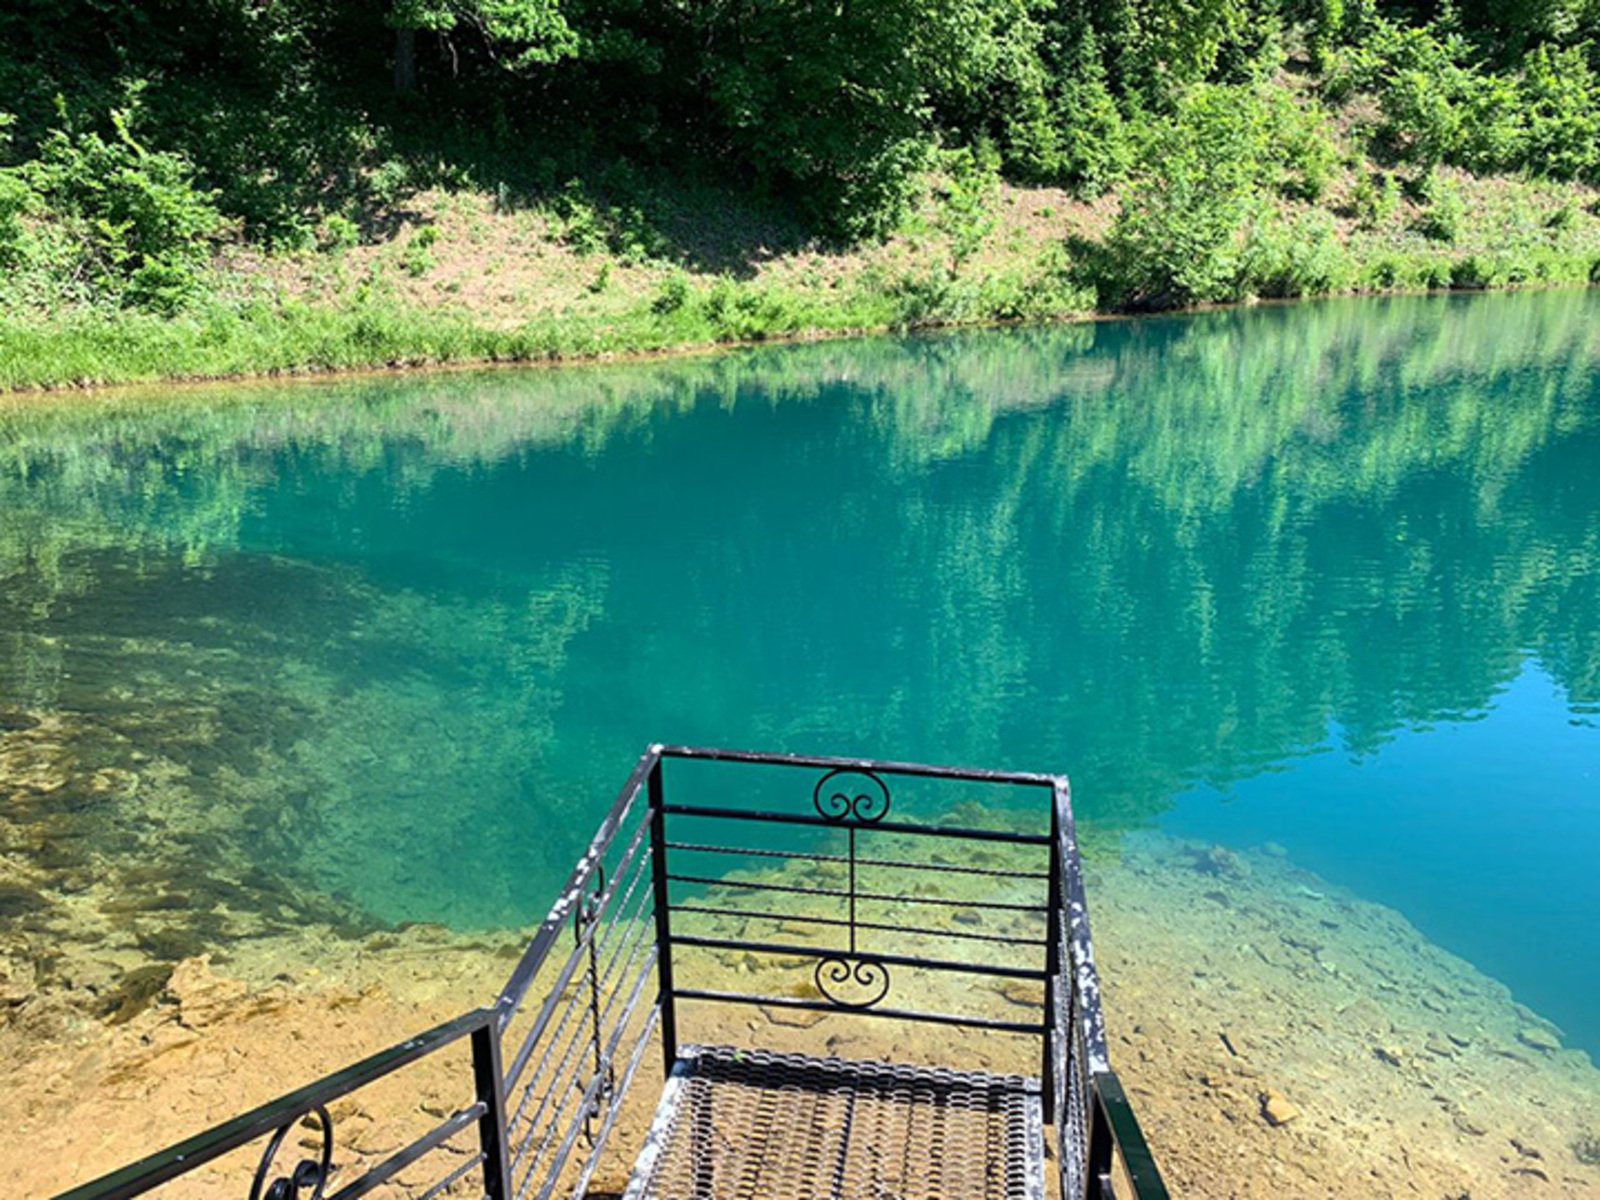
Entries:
{"x":1325,"y":576}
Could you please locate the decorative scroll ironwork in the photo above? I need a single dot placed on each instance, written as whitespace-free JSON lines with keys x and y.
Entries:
{"x":307,"y":1174}
{"x":837,"y":972}
{"x":845,"y":802}
{"x":578,"y":1058}
{"x":852,"y":980}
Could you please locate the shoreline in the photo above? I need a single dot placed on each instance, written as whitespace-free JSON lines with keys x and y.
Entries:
{"x":1399,"y":1069}
{"x":643,"y":353}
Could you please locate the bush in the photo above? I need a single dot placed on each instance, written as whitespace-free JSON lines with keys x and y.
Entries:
{"x":1179,"y":235}
{"x":1301,"y":143}
{"x":417,"y":257}
{"x":1440,"y":105}
{"x":16,"y":198}
{"x":1446,"y":211}
{"x":1375,"y":199}
{"x":142,"y":230}
{"x":389,"y":182}
{"x":672,"y":295}
{"x":339,"y":232}
{"x":967,"y":198}
{"x":1561,"y":97}
{"x":1288,"y":258}
{"x":593,"y":227}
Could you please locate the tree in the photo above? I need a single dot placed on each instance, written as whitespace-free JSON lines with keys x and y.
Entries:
{"x":534,"y":31}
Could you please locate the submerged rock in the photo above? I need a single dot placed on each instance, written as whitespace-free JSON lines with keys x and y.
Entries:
{"x":1221,"y":862}
{"x":18,"y":900}
{"x":136,"y":991}
{"x":1540,"y":1039}
{"x":202,"y":996}
{"x":18,"y":982}
{"x":1277,"y":1108}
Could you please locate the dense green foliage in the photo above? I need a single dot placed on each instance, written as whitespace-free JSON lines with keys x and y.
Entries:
{"x":1250,"y":144}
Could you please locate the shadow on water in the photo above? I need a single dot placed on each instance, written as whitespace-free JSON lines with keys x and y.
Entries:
{"x":378,"y":651}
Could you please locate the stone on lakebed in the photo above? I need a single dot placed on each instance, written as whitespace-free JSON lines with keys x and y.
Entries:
{"x":1277,"y":1108}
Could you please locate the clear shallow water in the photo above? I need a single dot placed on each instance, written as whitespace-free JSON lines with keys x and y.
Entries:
{"x":1327,"y":576}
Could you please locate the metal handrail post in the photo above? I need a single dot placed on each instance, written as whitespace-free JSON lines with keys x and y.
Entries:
{"x":659,"y":878}
{"x":1102,"y":1145}
{"x":489,"y":1081}
{"x":1052,"y":952}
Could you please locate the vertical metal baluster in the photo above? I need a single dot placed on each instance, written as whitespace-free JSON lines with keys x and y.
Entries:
{"x":852,"y":892}
{"x":489,"y":1080}
{"x":658,"y":871}
{"x":1052,"y":970}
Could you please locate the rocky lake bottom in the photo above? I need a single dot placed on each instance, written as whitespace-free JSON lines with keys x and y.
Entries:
{"x":1279,"y":1037}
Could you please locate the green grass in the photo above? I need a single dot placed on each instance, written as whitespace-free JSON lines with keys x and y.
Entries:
{"x":219,"y":338}
{"x":84,"y":348}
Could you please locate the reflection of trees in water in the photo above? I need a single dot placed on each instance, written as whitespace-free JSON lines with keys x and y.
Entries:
{"x":1149,"y":551}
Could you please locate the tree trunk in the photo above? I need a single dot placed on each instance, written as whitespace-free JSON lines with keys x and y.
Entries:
{"x":405,"y":61}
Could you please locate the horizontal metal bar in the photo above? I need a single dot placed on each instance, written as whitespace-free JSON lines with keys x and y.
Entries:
{"x":1137,"y":1160}
{"x":614,"y":1109}
{"x":539,"y":948}
{"x":877,"y":897}
{"x":714,"y":911}
{"x":920,"y":770}
{"x":401,"y":1159}
{"x":892,"y":1014}
{"x":186,"y":1155}
{"x":892,"y":960}
{"x":767,"y":817}
{"x":575,"y":1042}
{"x":587,"y":1100}
{"x":578,"y":955}
{"x":455,"y":1176}
{"x":943,"y":868}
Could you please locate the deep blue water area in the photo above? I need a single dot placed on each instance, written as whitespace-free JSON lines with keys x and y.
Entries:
{"x":378,"y":651}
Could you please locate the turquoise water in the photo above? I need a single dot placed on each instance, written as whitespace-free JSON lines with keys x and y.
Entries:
{"x":380,"y":651}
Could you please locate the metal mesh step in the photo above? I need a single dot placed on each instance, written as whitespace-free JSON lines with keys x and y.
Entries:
{"x":756,"y":1125}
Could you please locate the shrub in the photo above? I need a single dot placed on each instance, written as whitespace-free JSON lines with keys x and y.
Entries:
{"x":1478,"y":271}
{"x":417,"y":257}
{"x":1493,"y":133}
{"x":1375,"y":199}
{"x":339,"y":232}
{"x":143,"y":230}
{"x":1178,"y":237}
{"x":1301,"y":142}
{"x":1446,"y":211}
{"x":1095,"y":148}
{"x":1300,"y":257}
{"x":389,"y":182}
{"x":967,"y":196}
{"x":1440,"y":105}
{"x":672,"y":295}
{"x":16,"y":197}
{"x":591,"y":227}
{"x":1562,"y":99}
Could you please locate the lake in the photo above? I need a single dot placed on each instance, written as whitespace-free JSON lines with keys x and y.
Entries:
{"x":1322,"y":578}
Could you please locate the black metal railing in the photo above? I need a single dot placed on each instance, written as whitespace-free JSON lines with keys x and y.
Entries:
{"x":849,"y":905}
{"x":311,"y":1175}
